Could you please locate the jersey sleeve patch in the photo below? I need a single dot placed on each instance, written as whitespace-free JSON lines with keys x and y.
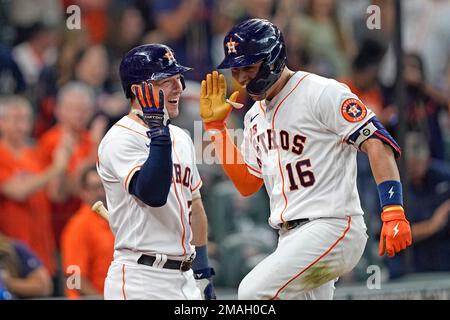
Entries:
{"x":353,"y":110}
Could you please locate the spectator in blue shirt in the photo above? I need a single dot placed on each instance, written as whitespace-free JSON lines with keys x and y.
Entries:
{"x":11,"y":77}
{"x":21,"y":272}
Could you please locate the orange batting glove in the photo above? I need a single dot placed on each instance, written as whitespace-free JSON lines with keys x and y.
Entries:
{"x":396,"y":232}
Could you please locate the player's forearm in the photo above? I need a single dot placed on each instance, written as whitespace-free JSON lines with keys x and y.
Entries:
{"x":151,"y":184}
{"x":234,"y":166}
{"x":382,"y":161}
{"x":199,"y":224}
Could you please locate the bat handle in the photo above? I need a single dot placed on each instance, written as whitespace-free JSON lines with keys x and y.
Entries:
{"x":100,"y":209}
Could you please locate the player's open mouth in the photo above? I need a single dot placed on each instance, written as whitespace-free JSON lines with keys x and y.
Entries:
{"x":173,"y":101}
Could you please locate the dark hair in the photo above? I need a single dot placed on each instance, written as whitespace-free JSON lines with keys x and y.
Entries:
{"x":85,"y":173}
{"x":419,"y":60}
{"x":371,"y":52}
{"x":38,"y":28}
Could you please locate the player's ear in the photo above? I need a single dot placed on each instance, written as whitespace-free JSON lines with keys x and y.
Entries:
{"x":133,"y":89}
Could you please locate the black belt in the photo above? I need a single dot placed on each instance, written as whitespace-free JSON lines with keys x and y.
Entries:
{"x":288,"y":225}
{"x":184,"y":265}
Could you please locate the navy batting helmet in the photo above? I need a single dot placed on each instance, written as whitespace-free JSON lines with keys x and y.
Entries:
{"x":252,"y":41}
{"x":148,"y":62}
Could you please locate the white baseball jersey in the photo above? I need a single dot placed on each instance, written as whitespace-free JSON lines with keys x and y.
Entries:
{"x":297,"y":143}
{"x":137,"y":226}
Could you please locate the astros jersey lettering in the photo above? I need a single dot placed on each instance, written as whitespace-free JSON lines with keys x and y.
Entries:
{"x":298,"y":143}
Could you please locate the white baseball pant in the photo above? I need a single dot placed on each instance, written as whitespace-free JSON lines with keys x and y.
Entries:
{"x":308,"y":261}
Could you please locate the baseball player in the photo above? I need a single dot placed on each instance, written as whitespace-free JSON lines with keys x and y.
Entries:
{"x":152,"y":184}
{"x":300,"y":140}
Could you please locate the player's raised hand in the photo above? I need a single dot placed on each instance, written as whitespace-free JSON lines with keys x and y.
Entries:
{"x":214,"y":106}
{"x":396,"y":232}
{"x":152,"y":106}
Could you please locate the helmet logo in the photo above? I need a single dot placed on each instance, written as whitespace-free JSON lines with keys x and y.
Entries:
{"x":231,"y":45}
{"x":169,"y":55}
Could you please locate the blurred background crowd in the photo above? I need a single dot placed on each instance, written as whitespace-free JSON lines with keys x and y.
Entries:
{"x":60,"y":92}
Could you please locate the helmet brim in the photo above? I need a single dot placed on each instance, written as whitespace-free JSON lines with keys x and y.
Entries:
{"x":169,"y":72}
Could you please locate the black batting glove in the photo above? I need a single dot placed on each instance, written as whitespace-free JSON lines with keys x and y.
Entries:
{"x":152,"y":111}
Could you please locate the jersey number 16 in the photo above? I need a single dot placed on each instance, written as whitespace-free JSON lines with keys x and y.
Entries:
{"x":306,"y":177}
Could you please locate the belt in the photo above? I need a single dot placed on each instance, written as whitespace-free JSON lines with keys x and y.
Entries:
{"x":183,"y":265}
{"x":288,"y":225}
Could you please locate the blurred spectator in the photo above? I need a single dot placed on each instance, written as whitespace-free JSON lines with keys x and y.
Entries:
{"x":125,"y":30}
{"x":185,"y":26}
{"x":327,"y":39}
{"x":286,"y":17}
{"x":74,"y":110}
{"x":25,"y":213}
{"x":11,"y":77}
{"x":445,"y":83}
{"x":91,"y":68}
{"x":38,"y":50}
{"x":95,"y":17}
{"x":87,"y":240}
{"x":56,"y":75}
{"x":298,"y":57}
{"x":424,"y":105}
{"x":263,"y":9}
{"x":23,"y":16}
{"x":426,"y":29}
{"x":21,"y":271}
{"x":428,"y":209}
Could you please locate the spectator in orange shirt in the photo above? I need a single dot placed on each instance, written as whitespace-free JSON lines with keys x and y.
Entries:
{"x":25,"y":209}
{"x":74,"y":111}
{"x":87,"y":241}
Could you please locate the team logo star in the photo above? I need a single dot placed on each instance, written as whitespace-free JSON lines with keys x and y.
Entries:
{"x":231,"y":45}
{"x":354,"y":111}
{"x":169,"y":55}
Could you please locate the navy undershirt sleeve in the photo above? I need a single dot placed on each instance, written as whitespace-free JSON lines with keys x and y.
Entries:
{"x":151,"y":184}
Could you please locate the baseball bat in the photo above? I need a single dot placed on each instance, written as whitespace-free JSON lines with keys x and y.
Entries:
{"x":100,"y":209}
